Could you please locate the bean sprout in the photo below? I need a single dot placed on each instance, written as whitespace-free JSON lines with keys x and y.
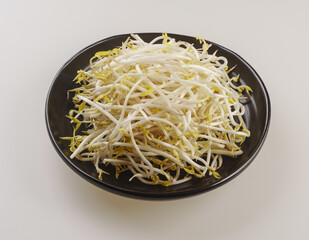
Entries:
{"x":164,"y":111}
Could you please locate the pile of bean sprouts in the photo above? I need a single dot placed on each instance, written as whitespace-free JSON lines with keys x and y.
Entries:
{"x":163,"y":110}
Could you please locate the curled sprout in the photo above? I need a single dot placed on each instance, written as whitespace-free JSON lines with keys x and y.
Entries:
{"x":163,"y":110}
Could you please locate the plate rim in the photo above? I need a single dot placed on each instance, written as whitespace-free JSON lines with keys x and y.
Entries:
{"x":155,"y":195}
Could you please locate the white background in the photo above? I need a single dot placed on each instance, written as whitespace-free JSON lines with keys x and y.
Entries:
{"x":41,"y":198}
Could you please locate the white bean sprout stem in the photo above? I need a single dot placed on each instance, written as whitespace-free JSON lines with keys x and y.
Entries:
{"x":164,"y":111}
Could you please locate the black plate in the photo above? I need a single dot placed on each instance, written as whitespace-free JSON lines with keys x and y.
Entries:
{"x":257,"y":118}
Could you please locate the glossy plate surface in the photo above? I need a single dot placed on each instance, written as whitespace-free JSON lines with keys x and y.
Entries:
{"x":257,"y":118}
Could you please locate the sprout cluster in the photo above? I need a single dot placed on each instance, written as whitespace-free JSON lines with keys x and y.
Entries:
{"x":163,"y":110}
